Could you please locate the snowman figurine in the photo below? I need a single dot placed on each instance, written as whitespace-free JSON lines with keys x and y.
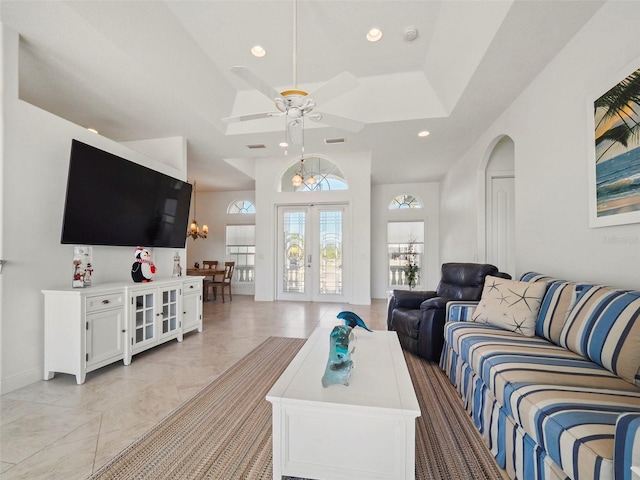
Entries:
{"x":143,"y":268}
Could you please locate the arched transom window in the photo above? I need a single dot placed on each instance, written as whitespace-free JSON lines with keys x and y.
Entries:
{"x":313,"y":174}
{"x":241,"y":206}
{"x":405,"y":201}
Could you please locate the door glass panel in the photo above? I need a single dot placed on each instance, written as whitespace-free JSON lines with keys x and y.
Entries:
{"x":294,"y":252}
{"x":144,"y":317}
{"x":331,"y":252}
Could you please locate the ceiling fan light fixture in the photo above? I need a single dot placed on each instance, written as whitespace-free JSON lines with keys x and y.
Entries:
{"x":374,"y":34}
{"x":258,"y":51}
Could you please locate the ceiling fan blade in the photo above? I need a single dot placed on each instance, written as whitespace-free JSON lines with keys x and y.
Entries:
{"x":251,"y":116}
{"x":336,"y":121}
{"x":335,"y":87}
{"x":256,"y":82}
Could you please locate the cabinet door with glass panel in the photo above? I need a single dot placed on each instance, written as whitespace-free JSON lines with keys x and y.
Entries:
{"x":154,"y":316}
{"x":143,"y":321}
{"x":168,"y":317}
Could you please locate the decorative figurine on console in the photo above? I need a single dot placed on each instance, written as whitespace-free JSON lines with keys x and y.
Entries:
{"x":353,"y":320}
{"x":87,"y":275}
{"x":339,"y":365}
{"x":82,"y":268}
{"x":177,"y":268}
{"x":143,"y":268}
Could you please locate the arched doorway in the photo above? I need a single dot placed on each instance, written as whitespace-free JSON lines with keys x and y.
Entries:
{"x":499,"y":214}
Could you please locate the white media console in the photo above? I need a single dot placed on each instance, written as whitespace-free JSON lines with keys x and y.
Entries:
{"x":88,"y":328}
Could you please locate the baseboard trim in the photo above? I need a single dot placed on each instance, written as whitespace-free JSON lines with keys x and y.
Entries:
{"x":20,"y":380}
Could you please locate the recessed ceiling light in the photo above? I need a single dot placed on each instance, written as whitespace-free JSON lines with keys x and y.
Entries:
{"x":258,"y":51}
{"x":374,"y":34}
{"x":283,"y":144}
{"x":92,"y":130}
{"x":424,"y":133}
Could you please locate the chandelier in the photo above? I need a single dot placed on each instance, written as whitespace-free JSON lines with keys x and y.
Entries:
{"x":299,"y":178}
{"x":194,"y":230}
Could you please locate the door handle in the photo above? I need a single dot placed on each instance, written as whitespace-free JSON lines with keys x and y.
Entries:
{"x":309,"y":261}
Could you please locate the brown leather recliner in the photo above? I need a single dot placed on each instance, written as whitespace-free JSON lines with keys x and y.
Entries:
{"x":419,"y":316}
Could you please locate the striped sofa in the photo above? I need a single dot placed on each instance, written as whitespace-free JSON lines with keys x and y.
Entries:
{"x":564,"y":403}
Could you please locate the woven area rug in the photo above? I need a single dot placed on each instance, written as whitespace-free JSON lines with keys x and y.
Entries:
{"x":224,"y":431}
{"x":448,"y":446}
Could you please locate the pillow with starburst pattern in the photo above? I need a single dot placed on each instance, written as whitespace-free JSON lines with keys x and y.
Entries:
{"x":510,"y":304}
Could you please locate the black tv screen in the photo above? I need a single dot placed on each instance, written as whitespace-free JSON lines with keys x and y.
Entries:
{"x":112,"y":201}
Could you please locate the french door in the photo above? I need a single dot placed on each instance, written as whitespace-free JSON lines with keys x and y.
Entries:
{"x":311,"y":252}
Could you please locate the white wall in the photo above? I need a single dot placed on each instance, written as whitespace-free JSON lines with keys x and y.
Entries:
{"x":212,"y":208}
{"x":381,"y":196}
{"x":35,"y":161}
{"x":6,"y":86}
{"x":549,"y":124}
{"x":212,"y":211}
{"x":357,"y":170}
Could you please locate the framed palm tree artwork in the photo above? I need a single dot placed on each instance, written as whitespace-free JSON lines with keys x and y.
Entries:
{"x":615,"y":166}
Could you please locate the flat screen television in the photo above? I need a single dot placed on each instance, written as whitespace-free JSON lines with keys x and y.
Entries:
{"x":113,"y":201}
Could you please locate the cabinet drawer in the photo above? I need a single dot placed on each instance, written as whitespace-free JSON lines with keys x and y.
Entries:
{"x":192,"y":287}
{"x":104,"y":302}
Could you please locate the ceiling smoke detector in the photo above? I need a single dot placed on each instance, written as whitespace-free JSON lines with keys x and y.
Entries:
{"x":410,"y":34}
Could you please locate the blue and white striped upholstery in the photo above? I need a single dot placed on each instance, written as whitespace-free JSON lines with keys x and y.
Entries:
{"x":538,"y":277}
{"x":559,"y":300}
{"x":538,"y":430}
{"x":627,"y":447}
{"x":460,"y":310}
{"x":604,"y":326}
{"x":562,"y":404}
{"x":501,"y":357}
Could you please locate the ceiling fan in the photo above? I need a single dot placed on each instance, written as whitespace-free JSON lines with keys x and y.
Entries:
{"x":297,"y":105}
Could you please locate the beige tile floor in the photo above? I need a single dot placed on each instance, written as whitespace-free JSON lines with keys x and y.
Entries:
{"x":59,"y":430}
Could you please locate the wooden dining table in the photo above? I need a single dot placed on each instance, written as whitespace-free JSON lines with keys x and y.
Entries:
{"x":209,"y":275}
{"x":204,"y":272}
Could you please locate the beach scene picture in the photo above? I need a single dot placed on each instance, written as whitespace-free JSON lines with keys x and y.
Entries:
{"x":617,"y":148}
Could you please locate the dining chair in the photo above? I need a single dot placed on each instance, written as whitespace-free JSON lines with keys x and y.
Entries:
{"x":207,"y":282}
{"x":225,"y":281}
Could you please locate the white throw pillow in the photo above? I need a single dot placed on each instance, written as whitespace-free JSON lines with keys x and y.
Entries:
{"x":510,"y":304}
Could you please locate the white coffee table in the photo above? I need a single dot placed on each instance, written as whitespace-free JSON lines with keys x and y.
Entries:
{"x":363,"y":431}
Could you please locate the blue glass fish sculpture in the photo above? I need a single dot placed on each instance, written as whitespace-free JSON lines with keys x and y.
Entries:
{"x":339,"y":364}
{"x":353,"y":320}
